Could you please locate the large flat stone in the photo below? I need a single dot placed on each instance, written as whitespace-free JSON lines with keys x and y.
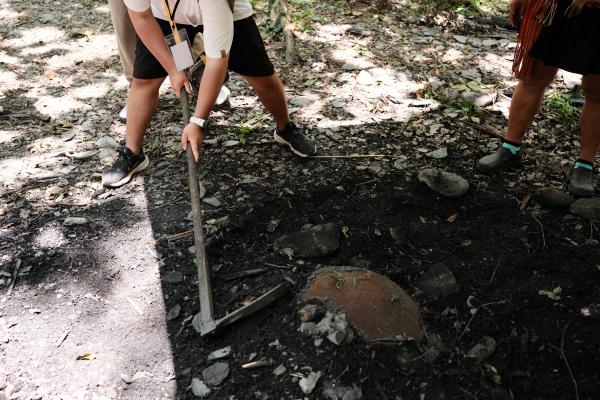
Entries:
{"x":587,"y":208}
{"x":374,"y":305}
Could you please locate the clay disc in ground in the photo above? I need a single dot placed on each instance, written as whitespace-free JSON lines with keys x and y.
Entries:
{"x":375,"y":305}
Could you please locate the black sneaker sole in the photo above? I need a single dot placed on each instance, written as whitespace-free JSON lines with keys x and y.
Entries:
{"x":281,"y":140}
{"x":579,"y":192}
{"x":141,"y":166}
{"x":511,"y":164}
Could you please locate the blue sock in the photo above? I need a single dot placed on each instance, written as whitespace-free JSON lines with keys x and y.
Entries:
{"x":513,"y":147}
{"x":584,"y":164}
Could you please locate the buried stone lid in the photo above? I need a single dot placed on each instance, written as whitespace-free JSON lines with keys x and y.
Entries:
{"x":374,"y":304}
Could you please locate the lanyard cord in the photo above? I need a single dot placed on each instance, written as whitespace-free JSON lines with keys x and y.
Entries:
{"x":171,"y":17}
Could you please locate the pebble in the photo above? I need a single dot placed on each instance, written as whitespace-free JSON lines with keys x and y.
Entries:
{"x":212,"y":201}
{"x":335,"y":392}
{"x":219,"y":354}
{"x":364,"y":78}
{"x":173,"y":277}
{"x":216,"y":373}
{"x":69,"y":221}
{"x":301,"y":101}
{"x":438,"y":282}
{"x":553,"y":198}
{"x":231,"y":143}
{"x":199,"y":388}
{"x":107,"y":141}
{"x":587,"y":208}
{"x":280,"y":370}
{"x":309,"y":383}
{"x":483,"y":349}
{"x":439,"y":153}
{"x":174,"y":313}
{"x":444,"y":183}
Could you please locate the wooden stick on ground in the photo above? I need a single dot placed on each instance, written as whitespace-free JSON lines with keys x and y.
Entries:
{"x":493,"y":131}
{"x":14,"y":278}
{"x":349,"y":156}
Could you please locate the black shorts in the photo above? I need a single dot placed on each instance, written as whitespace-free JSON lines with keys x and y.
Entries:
{"x":247,"y":57}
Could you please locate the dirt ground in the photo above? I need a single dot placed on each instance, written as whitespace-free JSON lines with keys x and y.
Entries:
{"x":113,"y":290}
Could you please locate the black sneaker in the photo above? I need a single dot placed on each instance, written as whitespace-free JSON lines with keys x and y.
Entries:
{"x":292,"y":136}
{"x":580,"y":182}
{"x":501,"y":158}
{"x":127,"y":165}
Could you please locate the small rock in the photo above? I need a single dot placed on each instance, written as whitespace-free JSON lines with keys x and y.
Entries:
{"x":173,"y":277}
{"x":438,"y":154}
{"x":197,"y":322}
{"x":107,"y":141}
{"x":480,"y":99}
{"x":364,"y":78}
{"x":216,"y":373}
{"x":438,"y":282}
{"x":301,"y":101}
{"x":67,"y":136}
{"x":210,"y":142}
{"x":553,"y":198}
{"x":337,"y":337}
{"x":280,"y":370}
{"x":125,"y":378}
{"x":219,"y":354}
{"x":483,"y":349}
{"x":586,"y":208}
{"x":231,"y":143}
{"x":199,"y":388}
{"x":174,"y":313}
{"x":212,"y":201}
{"x":338,"y":103}
{"x":318,"y":342}
{"x":444,"y":183}
{"x":319,"y":240}
{"x":308,"y":329}
{"x":309,"y":383}
{"x":69,"y":221}
{"x":334,"y":392}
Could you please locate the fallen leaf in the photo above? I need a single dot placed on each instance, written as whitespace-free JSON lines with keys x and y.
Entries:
{"x":87,"y":356}
{"x":452,"y":218}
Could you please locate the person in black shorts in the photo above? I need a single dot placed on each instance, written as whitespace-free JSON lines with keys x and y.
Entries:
{"x":246,"y":56}
{"x":568,"y":38}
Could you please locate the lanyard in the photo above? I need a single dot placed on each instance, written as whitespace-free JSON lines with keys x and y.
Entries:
{"x":171,"y":16}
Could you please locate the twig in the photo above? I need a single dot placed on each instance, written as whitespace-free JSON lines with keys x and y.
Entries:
{"x":277,"y":266}
{"x":475,"y":313}
{"x":174,"y":201}
{"x":63,"y":337}
{"x":495,"y":269}
{"x":14,"y":278}
{"x":350,"y":156}
{"x":137,"y":308}
{"x":564,"y":357}
{"x":542,"y":228}
{"x":493,"y":131}
{"x":257,"y":364}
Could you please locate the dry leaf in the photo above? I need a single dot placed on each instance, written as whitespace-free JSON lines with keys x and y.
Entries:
{"x":452,"y":218}
{"x":87,"y":356}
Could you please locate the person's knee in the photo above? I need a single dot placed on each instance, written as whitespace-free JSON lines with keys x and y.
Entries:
{"x":591,"y":88}
{"x":146,"y":85}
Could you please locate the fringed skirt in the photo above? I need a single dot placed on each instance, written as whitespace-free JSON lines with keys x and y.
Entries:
{"x":571,"y":43}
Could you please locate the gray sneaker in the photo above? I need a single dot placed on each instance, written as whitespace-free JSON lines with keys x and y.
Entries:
{"x":500,"y":159}
{"x":580,"y":182}
{"x":127,"y":165}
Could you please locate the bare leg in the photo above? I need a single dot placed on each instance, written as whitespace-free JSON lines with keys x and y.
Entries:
{"x":271,"y":94}
{"x":141,"y":105}
{"x":527,"y":99}
{"x":590,"y":118}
